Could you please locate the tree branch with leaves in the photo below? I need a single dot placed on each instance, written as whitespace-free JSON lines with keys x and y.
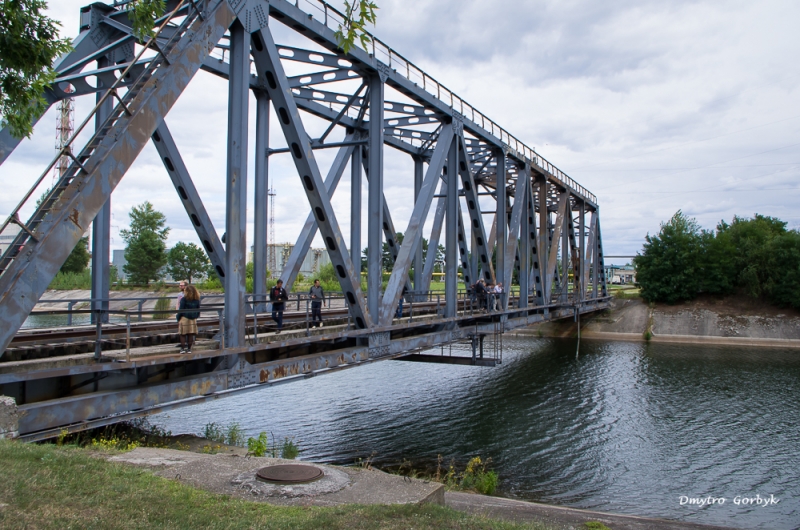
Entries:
{"x":353,"y":27}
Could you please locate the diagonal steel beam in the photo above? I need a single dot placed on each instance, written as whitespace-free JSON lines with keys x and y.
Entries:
{"x":552,"y":252}
{"x":309,"y":231}
{"x":268,"y":62}
{"x":179,"y":174}
{"x":474,"y":211}
{"x":413,"y":234}
{"x":535,"y":280}
{"x":433,"y":242}
{"x":513,"y":228}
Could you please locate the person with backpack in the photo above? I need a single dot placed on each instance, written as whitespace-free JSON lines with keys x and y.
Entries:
{"x":317,"y":295}
{"x":188,"y":313}
{"x":278,"y":297}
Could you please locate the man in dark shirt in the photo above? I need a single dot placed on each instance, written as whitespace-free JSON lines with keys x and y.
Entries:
{"x":317,"y":295}
{"x":277,"y":295}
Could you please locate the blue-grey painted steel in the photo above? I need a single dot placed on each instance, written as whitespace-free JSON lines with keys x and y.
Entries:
{"x":236,"y":192}
{"x":355,"y":207}
{"x":413,"y":234}
{"x":433,"y":241}
{"x":484,"y":254}
{"x":535,"y":277}
{"x":513,"y":229}
{"x":187,"y":192}
{"x":309,"y":231}
{"x":101,"y":229}
{"x":551,"y":272}
{"x":581,"y":276}
{"x":375,"y":201}
{"x":524,"y":237}
{"x":261,"y":199}
{"x":24,"y":281}
{"x":501,"y":225}
{"x":451,"y":234}
{"x":544,"y":233}
{"x":268,"y":59}
{"x":418,"y":254}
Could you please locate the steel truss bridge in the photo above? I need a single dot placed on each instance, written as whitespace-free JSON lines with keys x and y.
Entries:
{"x":544,"y":228}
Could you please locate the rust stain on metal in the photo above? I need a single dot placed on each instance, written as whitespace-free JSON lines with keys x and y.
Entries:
{"x":74,"y":218}
{"x":278,"y":372}
{"x":263,"y":376}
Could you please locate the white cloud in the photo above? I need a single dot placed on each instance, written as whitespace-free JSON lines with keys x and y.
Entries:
{"x":652,"y":106}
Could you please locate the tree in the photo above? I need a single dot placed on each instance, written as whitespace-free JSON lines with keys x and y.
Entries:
{"x":29,"y":44}
{"x":668,"y":270}
{"x":78,"y":258}
{"x":146,"y":250}
{"x":353,"y":28}
{"x":186,"y":261}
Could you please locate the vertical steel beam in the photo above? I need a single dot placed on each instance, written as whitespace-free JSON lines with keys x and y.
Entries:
{"x":418,"y":254}
{"x":590,"y":253}
{"x":565,"y":248}
{"x":261,"y":199}
{"x":552,"y":252}
{"x":544,"y":235}
{"x":580,"y":285}
{"x":535,"y":276}
{"x":268,"y":64}
{"x":101,"y":228}
{"x":375,"y":198}
{"x":501,"y":225}
{"x":595,"y":260}
{"x":600,"y":262}
{"x":236,"y":198}
{"x":309,"y":231}
{"x":451,"y":234}
{"x":513,"y":231}
{"x":355,"y":207}
{"x":179,"y":174}
{"x":524,"y":237}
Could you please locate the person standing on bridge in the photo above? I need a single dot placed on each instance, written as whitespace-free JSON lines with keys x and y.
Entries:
{"x":182,"y":285}
{"x":278,"y":296}
{"x":188,"y":312}
{"x":317,"y":295}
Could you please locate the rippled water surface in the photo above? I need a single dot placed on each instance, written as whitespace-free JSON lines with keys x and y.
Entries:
{"x":624,"y":427}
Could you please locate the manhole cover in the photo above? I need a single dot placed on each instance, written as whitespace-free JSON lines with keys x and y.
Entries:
{"x":289,"y":474}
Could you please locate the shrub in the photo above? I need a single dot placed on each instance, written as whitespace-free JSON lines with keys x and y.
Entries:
{"x":258,"y":446}
{"x":162,"y":308}
{"x":289,"y":451}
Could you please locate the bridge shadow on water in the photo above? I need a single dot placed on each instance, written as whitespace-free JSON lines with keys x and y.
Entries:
{"x":622,"y":427}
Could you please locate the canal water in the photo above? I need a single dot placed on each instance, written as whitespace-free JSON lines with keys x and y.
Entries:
{"x":622,"y":427}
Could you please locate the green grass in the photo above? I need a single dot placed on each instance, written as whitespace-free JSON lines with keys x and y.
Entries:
{"x":46,"y":486}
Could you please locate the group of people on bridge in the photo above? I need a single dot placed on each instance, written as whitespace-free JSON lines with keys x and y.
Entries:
{"x":487,"y":296}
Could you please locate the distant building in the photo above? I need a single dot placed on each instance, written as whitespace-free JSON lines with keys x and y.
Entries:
{"x":316,"y":258}
{"x":620,"y":274}
{"x":8,"y":235}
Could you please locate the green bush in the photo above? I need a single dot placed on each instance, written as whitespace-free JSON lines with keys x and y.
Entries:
{"x":66,"y":281}
{"x":258,"y":446}
{"x":163,"y":305}
{"x":289,"y":451}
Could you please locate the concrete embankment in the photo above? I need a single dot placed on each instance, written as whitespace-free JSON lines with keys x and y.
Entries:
{"x":729,"y":321}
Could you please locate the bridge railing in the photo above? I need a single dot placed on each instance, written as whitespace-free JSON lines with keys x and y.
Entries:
{"x":333,"y":19}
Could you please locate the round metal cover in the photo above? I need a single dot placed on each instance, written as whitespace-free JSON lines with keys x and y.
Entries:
{"x":289,"y":474}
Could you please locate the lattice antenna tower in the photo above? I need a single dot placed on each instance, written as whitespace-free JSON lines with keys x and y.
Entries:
{"x":271,"y":229}
{"x":65,"y":125}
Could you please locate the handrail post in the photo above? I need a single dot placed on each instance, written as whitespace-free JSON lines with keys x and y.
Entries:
{"x":141,"y":303}
{"x":308,"y":333}
{"x":255,"y":318}
{"x":221,"y":314}
{"x":127,"y":337}
{"x":98,"y":335}
{"x":69,"y":315}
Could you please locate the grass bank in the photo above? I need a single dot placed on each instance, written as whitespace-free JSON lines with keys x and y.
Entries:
{"x":46,"y":486}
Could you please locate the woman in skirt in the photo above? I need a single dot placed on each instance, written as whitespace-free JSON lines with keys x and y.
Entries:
{"x":187,"y":317}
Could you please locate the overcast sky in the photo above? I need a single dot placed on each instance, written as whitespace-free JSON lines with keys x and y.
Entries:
{"x":653,"y":106}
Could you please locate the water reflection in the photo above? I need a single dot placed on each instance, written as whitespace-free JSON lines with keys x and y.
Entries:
{"x":625,"y":427}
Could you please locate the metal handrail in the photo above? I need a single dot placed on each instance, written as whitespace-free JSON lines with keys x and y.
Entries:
{"x":328,"y":16}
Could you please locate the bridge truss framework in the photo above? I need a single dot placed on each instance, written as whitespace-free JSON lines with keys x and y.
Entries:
{"x":544,"y":228}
